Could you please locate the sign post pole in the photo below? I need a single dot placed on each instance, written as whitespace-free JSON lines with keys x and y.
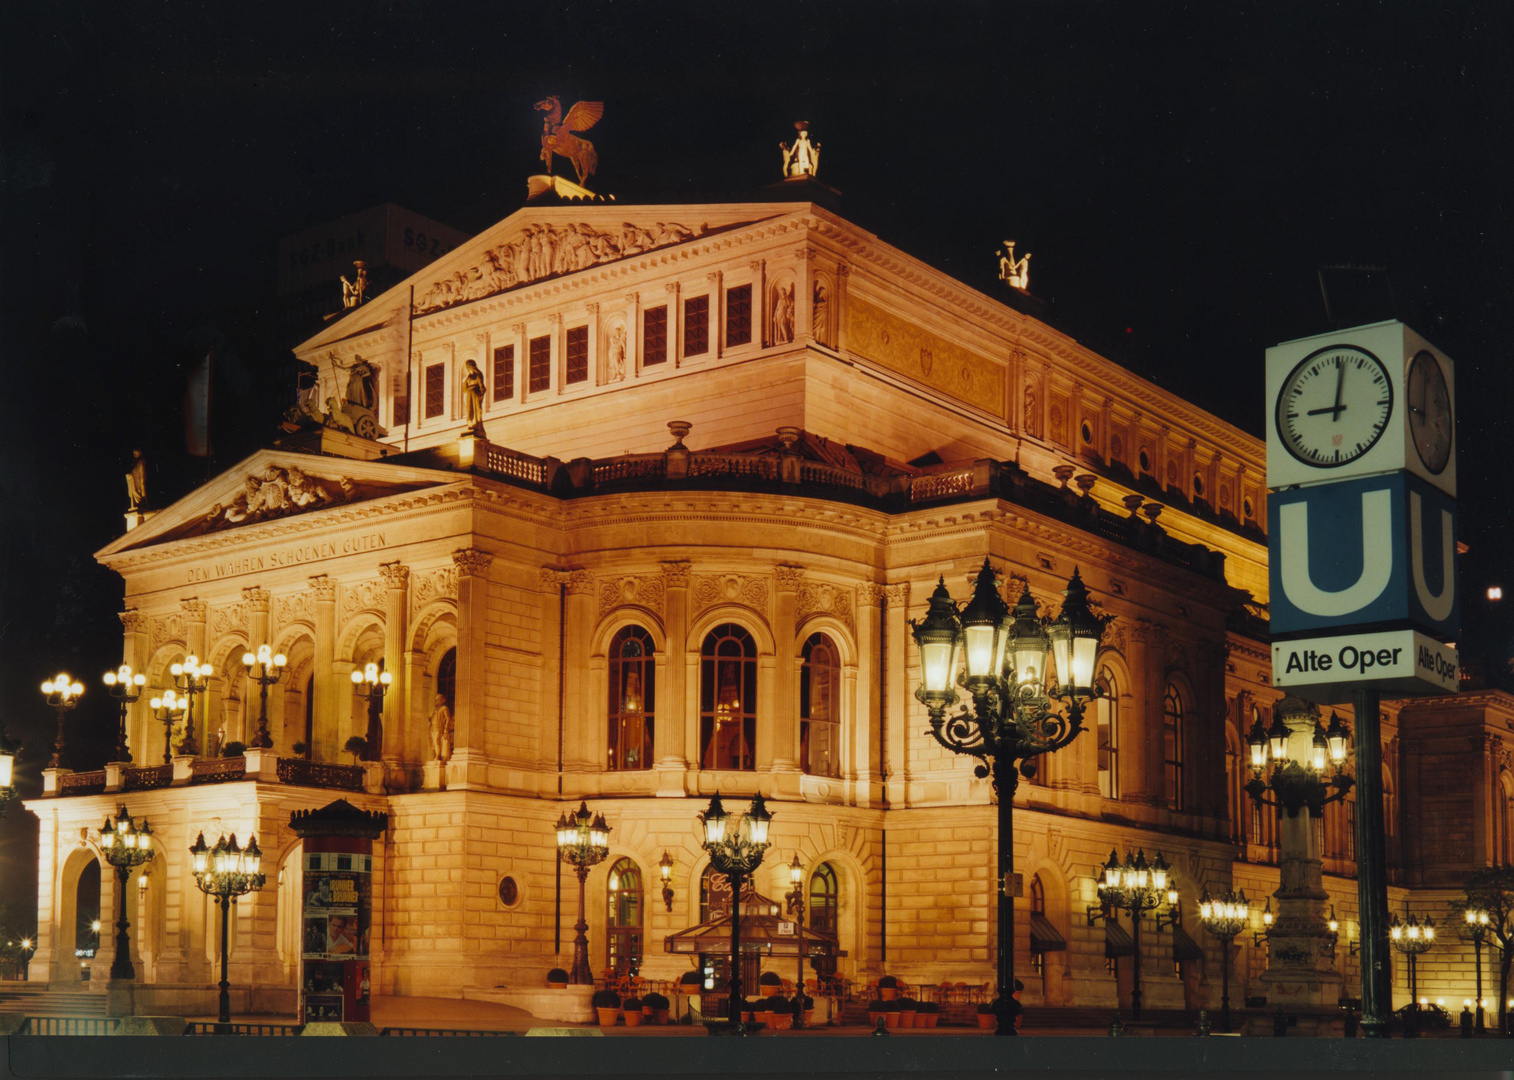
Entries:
{"x":1371,"y":869}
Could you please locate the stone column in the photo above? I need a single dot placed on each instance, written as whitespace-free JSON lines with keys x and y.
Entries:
{"x":783,"y":742}
{"x":469,"y":753}
{"x":396,"y":641}
{"x":597,"y":376}
{"x":135,"y":651}
{"x":804,"y":296}
{"x":1141,"y":737}
{"x":550,"y":582}
{"x":194,"y":644}
{"x":328,"y":693}
{"x":1299,"y":970}
{"x":256,"y":601}
{"x":838,"y":302}
{"x":675,"y":741}
{"x":633,"y":335}
{"x":584,"y":738}
{"x":675,"y":327}
{"x":717,"y":305}
{"x":760,"y":313}
{"x":47,"y":960}
{"x":898,"y":692}
{"x":861,"y":766}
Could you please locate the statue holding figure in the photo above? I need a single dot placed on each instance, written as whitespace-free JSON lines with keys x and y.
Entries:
{"x":136,"y":482}
{"x":355,"y":292}
{"x":617,"y":353}
{"x":783,"y":316}
{"x":803,"y":158}
{"x":441,"y":730}
{"x":473,"y":397}
{"x":1014,"y":274}
{"x":360,"y":381}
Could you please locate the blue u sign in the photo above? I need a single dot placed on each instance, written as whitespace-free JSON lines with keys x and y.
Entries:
{"x":1378,"y":549}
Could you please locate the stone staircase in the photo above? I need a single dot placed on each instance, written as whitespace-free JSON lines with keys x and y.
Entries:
{"x":40,"y":999}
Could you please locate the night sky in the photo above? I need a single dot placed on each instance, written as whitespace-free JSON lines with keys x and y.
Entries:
{"x":1179,"y":171}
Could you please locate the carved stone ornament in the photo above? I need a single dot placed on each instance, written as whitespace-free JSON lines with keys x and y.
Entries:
{"x":168,"y":628}
{"x":675,"y":574}
{"x":580,"y":583}
{"x":897,"y":594}
{"x":395,"y":575}
{"x":193,"y":607}
{"x":472,"y":562}
{"x":363,"y":596}
{"x":642,"y":591}
{"x":278,"y":492}
{"x":432,"y":585}
{"x":788,"y":577}
{"x":730,"y":589}
{"x":232,"y":617}
{"x":551,"y":579}
{"x":323,"y":588}
{"x":293,"y":608}
{"x":543,"y":251}
{"x":255,"y":598}
{"x":819,"y":598}
{"x":132,"y":621}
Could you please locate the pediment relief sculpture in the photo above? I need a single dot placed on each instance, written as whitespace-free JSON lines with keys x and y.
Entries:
{"x":278,"y":492}
{"x":542,"y":251}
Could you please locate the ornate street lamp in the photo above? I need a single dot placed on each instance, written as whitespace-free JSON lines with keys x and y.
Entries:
{"x":1295,"y":766}
{"x":168,"y":708}
{"x":191,"y":677}
{"x":62,"y":694}
{"x":1135,"y":888}
{"x":372,"y":683}
{"x":736,"y":851}
{"x":9,"y":751}
{"x":795,"y":900}
{"x":1411,"y":937}
{"x":1259,"y":937}
{"x":583,"y":840}
{"x":1011,"y":720}
{"x":270,"y":670}
{"x":1475,"y":930}
{"x":224,"y":873}
{"x":1225,"y":916}
{"x":125,"y":688}
{"x":665,"y":868}
{"x":125,"y":847}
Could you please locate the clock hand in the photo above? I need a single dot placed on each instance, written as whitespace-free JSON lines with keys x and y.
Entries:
{"x":1340,"y":383}
{"x":1333,"y":410}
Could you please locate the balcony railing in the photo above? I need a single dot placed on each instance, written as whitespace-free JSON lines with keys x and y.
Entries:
{"x":201,"y":771}
{"x":82,"y":783}
{"x":320,"y":774}
{"x":217,"y":770}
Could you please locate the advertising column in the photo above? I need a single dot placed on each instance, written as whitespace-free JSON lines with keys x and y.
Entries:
{"x":336,"y":910}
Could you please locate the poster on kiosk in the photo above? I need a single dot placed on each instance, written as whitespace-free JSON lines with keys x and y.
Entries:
{"x":1361,"y":474}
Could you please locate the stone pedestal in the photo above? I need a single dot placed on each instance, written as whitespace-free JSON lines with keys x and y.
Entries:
{"x":261,"y":765}
{"x":433,"y":776}
{"x":120,"y":997}
{"x":183,"y":768}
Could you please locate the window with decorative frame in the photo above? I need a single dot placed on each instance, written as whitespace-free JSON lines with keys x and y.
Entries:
{"x":504,"y":372}
{"x":1172,"y":747}
{"x":820,"y":707}
{"x":696,"y":325}
{"x":633,"y":699}
{"x":824,"y":902}
{"x":539,"y":364}
{"x":654,"y":336}
{"x":1107,"y":733}
{"x":738,"y":315}
{"x":576,"y":362}
{"x":436,"y":390}
{"x":728,"y":699}
{"x":623,"y":937}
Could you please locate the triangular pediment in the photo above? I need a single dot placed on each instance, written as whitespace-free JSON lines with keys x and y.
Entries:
{"x":275,"y":485}
{"x":542,"y":243}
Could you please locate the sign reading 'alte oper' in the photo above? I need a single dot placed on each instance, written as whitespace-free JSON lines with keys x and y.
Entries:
{"x":291,"y":556}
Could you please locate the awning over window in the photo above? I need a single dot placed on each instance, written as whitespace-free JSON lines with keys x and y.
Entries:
{"x":1184,"y":947}
{"x":1116,"y":941}
{"x":1043,"y":936}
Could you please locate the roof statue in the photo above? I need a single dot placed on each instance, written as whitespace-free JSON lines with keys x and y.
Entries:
{"x":558,"y":134}
{"x":136,"y":482}
{"x":1014,"y":274}
{"x":803,"y":158}
{"x":353,"y":292}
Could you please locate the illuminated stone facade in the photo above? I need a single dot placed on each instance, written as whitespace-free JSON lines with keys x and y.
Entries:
{"x":525,"y":573}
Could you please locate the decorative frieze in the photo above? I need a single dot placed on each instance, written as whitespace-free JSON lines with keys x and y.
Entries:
{"x":432,"y":585}
{"x":729,"y":589}
{"x":363,"y":596}
{"x":819,"y":598}
{"x":646,"y":591}
{"x":675,"y":574}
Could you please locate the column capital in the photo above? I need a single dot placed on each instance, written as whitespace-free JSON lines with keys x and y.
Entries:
{"x":193,"y":606}
{"x":633,"y":298}
{"x":580,"y":583}
{"x":592,"y":307}
{"x":673,"y":290}
{"x":713,"y":277}
{"x":843,"y":269}
{"x":324,"y":588}
{"x":471,"y":562}
{"x":788,"y":576}
{"x":518,"y":328}
{"x":675,"y":573}
{"x":550,"y":578}
{"x":756,"y":265}
{"x":132,"y":621}
{"x":897,"y":594}
{"x":396,"y":575}
{"x":870,"y":593}
{"x":256,"y":598}
{"x":555,"y":318}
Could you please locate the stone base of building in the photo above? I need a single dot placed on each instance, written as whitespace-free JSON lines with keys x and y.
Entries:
{"x":194,"y":999}
{"x":570,"y":1004}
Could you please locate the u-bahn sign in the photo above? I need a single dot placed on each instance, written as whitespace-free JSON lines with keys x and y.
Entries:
{"x":1328,"y":669}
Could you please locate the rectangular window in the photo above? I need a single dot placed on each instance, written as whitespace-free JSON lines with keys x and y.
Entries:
{"x":1108,"y":747}
{"x":654,"y":336}
{"x":402,"y":404}
{"x":436,"y":390}
{"x":539,"y":373}
{"x":696,"y":325}
{"x":578,"y":355}
{"x":504,"y":373}
{"x":738,"y":315}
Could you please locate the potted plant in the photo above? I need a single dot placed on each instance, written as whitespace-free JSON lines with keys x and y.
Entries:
{"x":929,"y":1012}
{"x":780,"y":1012}
{"x":357,"y":746}
{"x":749,"y":1008}
{"x":692,"y":981}
{"x":769,"y":984}
{"x":298,"y":749}
{"x":630,"y":1008}
{"x":233,"y":749}
{"x":891,"y":1014}
{"x":986,"y":1019}
{"x":557,"y":979}
{"x":607,"y":1004}
{"x":656,"y":1006}
{"x":888,"y":988}
{"x":908,"y":1009}
{"x":874,"y":1010}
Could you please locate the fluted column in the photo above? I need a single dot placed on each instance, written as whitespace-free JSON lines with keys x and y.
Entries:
{"x":898,"y":691}
{"x":325,"y":715}
{"x":255,"y":601}
{"x":469,"y":755}
{"x":552,"y":700}
{"x":396,"y":639}
{"x":584,"y":740}
{"x":676,"y":735}
{"x":804,"y":295}
{"x":862,"y":733}
{"x":134,"y":651}
{"x":783,"y":739}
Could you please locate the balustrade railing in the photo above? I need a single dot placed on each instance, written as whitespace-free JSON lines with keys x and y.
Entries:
{"x":320,"y":774}
{"x":217,"y":770}
{"x":82,"y":783}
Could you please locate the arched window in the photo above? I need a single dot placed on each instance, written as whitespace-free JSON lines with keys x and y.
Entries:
{"x":1107,"y":710}
{"x":1038,"y":907}
{"x":819,"y":708}
{"x":1236,"y":795}
{"x":1505,"y":854}
{"x":633,"y":699}
{"x":728,"y":699}
{"x":446,"y":679}
{"x":88,"y":925}
{"x":1172,"y":747}
{"x":623,"y":920}
{"x":822,"y":909}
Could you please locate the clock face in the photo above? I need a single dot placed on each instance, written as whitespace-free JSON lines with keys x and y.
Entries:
{"x":1334,"y":406}
{"x":1429,"y":411}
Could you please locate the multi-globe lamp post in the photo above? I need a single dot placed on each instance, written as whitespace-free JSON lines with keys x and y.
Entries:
{"x":270,"y":670}
{"x":191,"y":678}
{"x":372,"y":682}
{"x":224,"y":873}
{"x":1475,"y":930}
{"x":126,"y":847}
{"x":1411,"y":938}
{"x":736,"y":850}
{"x":63,"y":695}
{"x":583,"y":841}
{"x":126,"y":687}
{"x":794,"y":898}
{"x":169,"y":707}
{"x":9,"y":751}
{"x":1225,"y":916}
{"x":1135,"y":888}
{"x":1297,"y":774}
{"x":1003,"y":654}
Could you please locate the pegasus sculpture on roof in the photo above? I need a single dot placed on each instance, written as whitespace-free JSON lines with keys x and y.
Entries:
{"x":558,"y":134}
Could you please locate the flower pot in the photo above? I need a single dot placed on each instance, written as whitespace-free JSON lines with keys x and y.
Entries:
{"x":907,"y":1019}
{"x":872,"y":1019}
{"x":780,"y":1021}
{"x":930,"y":1019}
{"x":987,"y":1021}
{"x":607,"y":1016}
{"x":660,"y":1015}
{"x":633,"y":1019}
{"x":809,"y":1017}
{"x":887,"y":993}
{"x":891,"y":1019}
{"x":746,"y":1018}
{"x":769,"y":991}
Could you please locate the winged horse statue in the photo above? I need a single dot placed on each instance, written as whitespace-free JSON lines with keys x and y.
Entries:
{"x":558,"y":134}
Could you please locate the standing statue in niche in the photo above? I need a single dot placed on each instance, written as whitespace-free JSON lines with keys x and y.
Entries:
{"x":803,"y":158}
{"x":136,"y":482}
{"x":819,"y":313}
{"x":473,"y":397}
{"x":441,"y":730}
{"x":1031,"y":427}
{"x":617,"y":353}
{"x":783,"y":316}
